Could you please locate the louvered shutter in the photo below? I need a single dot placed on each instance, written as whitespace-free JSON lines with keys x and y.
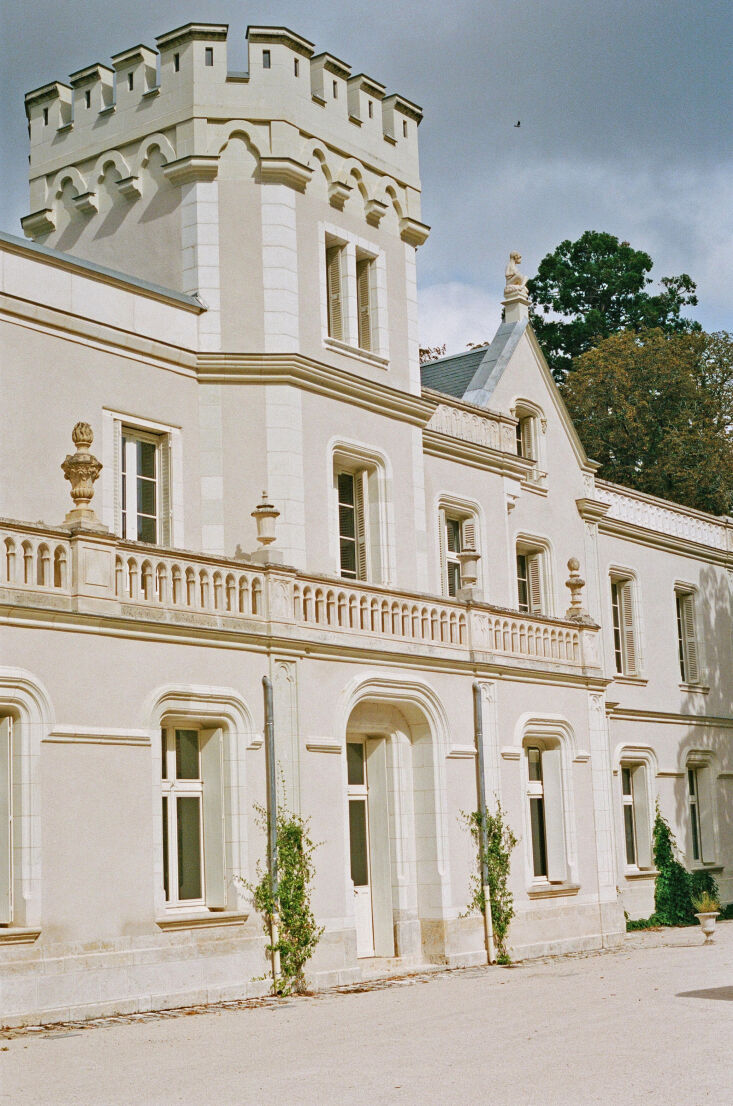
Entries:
{"x":6,"y":821}
{"x":554,"y":820}
{"x":363,"y":278}
{"x":705,"y":803}
{"x":117,"y":475}
{"x":642,"y":820}
{"x":212,"y":775}
{"x":627,"y":626}
{"x":361,"y":507}
{"x":690,"y":639}
{"x":333,"y":279}
{"x":469,"y":534}
{"x":534,"y":583}
{"x":442,"y":552}
{"x":165,"y":527}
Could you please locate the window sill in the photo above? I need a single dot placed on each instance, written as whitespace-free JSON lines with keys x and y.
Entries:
{"x":698,"y":689}
{"x":358,"y":354}
{"x":552,"y":890}
{"x":18,"y":935}
{"x":535,"y":484}
{"x":201,"y":921}
{"x":640,"y":873}
{"x":712,"y":867}
{"x":631,"y":681}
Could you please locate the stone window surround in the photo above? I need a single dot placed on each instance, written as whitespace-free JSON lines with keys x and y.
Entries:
{"x":206,"y":708}
{"x":625,"y":572}
{"x":684,"y":587}
{"x":463,"y":508}
{"x":631,"y":756}
{"x":379,"y":356}
{"x":111,"y":474}
{"x":522,"y":408}
{"x":549,"y":731}
{"x":344,"y":453}
{"x":522,"y":542}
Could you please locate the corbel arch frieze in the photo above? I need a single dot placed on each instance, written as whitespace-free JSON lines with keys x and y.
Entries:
{"x":110,"y":157}
{"x":72,"y":174}
{"x":152,"y":142}
{"x":238,"y":128}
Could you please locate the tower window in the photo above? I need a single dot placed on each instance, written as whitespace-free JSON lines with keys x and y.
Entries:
{"x":88,"y":97}
{"x":176,"y":63}
{"x":335,"y":90}
{"x":130,"y":81}
{"x":45,"y":117}
{"x":266,"y":59}
{"x":404,"y":128}
{"x":209,"y":55}
{"x":296,"y":66}
{"x":371,"y":109}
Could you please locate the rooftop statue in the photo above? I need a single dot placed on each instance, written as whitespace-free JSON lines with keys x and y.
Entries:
{"x":516,"y":282}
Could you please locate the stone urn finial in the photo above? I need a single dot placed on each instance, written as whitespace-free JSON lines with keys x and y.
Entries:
{"x":576,"y":583}
{"x":81,"y":469}
{"x":265,"y":514}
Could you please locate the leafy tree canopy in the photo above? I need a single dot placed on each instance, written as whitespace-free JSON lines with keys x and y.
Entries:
{"x":586,"y":290}
{"x":656,"y":410}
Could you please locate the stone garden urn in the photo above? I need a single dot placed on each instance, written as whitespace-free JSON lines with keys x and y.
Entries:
{"x":707,"y":923}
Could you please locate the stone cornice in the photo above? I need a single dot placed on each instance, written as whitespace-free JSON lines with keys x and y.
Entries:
{"x":313,"y":376}
{"x":62,"y":324}
{"x":672,"y":718}
{"x":478,"y":456}
{"x":670,"y":543}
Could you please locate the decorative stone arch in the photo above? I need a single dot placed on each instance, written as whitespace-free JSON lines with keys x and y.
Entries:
{"x":155,"y":141}
{"x":380,"y":479}
{"x":24,"y":697}
{"x":111,"y":157}
{"x":238,"y":129}
{"x":550,"y":731}
{"x":211,"y":708}
{"x":388,"y":193}
{"x":72,"y":174}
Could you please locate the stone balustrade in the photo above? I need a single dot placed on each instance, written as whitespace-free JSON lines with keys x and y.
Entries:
{"x":100,"y":574}
{"x":664,"y":518}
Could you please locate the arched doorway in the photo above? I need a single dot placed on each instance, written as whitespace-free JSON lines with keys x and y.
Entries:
{"x":394,"y":792}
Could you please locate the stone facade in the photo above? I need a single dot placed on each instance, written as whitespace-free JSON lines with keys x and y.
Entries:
{"x":258,"y":331}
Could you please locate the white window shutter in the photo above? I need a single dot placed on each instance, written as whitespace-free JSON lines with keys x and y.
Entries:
{"x":534,"y":565}
{"x":442,"y":552}
{"x":212,"y":775}
{"x":333,"y":281}
{"x":627,"y":623}
{"x":469,"y":533}
{"x":117,"y":489}
{"x":379,"y":854}
{"x":690,"y":646}
{"x":6,"y":821}
{"x":165,"y":535}
{"x":705,"y":807}
{"x":642,"y":818}
{"x":361,"y":502}
{"x":554,"y":820}
{"x":363,"y":275}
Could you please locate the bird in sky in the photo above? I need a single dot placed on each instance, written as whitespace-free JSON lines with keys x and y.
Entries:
{"x":518,"y":123}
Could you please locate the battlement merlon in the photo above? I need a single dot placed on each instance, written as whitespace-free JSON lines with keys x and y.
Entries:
{"x":185,"y":91}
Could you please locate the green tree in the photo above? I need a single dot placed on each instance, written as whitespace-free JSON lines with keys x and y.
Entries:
{"x":656,"y":410}
{"x":586,"y":290}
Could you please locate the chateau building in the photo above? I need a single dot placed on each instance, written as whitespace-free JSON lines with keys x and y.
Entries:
{"x":218,"y":295}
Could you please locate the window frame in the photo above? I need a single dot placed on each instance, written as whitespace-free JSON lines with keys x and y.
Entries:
{"x":467,"y":515}
{"x":551,"y":789}
{"x":171,"y":792}
{"x":701,"y":808}
{"x":169,"y":461}
{"x":531,"y":434}
{"x":362,"y":264}
{"x":538,"y":553}
{"x":360,"y":538}
{"x":129,"y":483}
{"x":688,"y":642}
{"x":345,"y":456}
{"x":625,"y":623}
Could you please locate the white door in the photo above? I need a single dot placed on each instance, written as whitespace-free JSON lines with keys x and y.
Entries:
{"x":359,"y":846}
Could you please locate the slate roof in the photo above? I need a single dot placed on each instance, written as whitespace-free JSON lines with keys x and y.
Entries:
{"x":472,"y":376}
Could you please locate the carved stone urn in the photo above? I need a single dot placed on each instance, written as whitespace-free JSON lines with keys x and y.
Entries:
{"x":266,"y":515}
{"x":707,"y":922}
{"x":81,"y":469}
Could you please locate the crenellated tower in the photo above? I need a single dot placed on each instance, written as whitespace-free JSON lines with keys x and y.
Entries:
{"x":287,"y":197}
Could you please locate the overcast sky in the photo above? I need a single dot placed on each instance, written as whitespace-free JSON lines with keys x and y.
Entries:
{"x":626,"y":109}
